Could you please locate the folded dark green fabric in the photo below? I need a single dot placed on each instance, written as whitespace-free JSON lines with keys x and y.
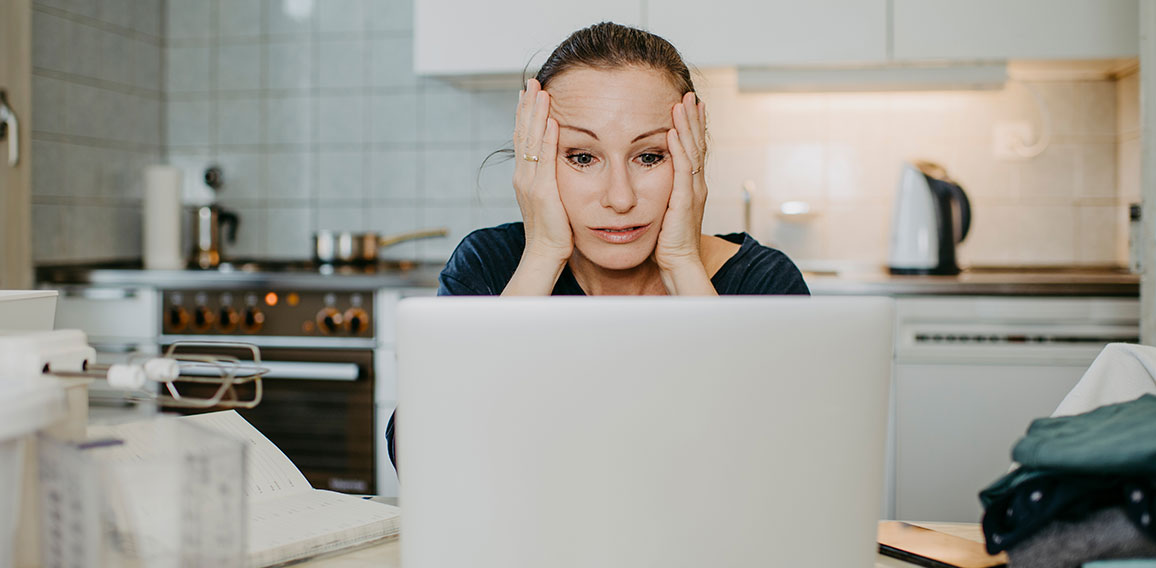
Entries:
{"x":1113,"y":439}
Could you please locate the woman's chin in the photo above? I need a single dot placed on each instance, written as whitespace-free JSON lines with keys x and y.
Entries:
{"x":617,"y":257}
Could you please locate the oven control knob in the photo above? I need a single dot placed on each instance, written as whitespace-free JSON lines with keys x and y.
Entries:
{"x":356,"y":321}
{"x":227,"y":319}
{"x":178,"y":319}
{"x":329,"y":320}
{"x":254,"y":320}
{"x":203,"y":319}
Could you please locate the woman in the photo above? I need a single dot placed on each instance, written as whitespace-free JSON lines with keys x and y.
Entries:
{"x":610,"y":141}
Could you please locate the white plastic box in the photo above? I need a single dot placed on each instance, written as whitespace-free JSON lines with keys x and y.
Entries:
{"x":27,"y":310}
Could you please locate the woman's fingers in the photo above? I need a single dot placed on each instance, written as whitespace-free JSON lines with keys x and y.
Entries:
{"x":685,"y":134}
{"x":548,"y":156}
{"x":682,"y":165}
{"x":697,"y":135}
{"x":523,"y":113}
{"x":536,"y":127}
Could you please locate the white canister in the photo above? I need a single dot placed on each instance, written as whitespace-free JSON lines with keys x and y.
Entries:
{"x":162,"y":218}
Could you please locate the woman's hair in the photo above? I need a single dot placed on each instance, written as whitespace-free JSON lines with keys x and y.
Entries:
{"x":607,"y":46}
{"x":613,"y":46}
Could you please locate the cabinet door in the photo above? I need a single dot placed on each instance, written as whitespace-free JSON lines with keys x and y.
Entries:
{"x":1025,"y":29}
{"x":772,"y":32}
{"x":456,"y":37}
{"x":955,"y":426}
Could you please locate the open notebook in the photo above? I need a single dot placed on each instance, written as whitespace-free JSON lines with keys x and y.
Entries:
{"x":288,"y":519}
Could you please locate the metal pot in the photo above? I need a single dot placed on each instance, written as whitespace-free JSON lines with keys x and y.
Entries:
{"x":344,"y":247}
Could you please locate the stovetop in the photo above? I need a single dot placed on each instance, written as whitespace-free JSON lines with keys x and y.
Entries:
{"x":304,"y":274}
{"x":312,"y":267}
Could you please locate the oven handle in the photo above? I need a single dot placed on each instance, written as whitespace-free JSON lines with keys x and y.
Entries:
{"x":293,"y":370}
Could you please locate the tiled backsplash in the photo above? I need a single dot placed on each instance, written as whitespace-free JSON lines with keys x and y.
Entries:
{"x":842,"y":153}
{"x":314,"y":113}
{"x":97,"y":108}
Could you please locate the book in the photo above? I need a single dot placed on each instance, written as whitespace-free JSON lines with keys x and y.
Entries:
{"x":925,"y":547}
{"x":288,"y":520}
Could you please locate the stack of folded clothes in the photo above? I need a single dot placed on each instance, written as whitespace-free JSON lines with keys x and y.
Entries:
{"x":1085,"y":490}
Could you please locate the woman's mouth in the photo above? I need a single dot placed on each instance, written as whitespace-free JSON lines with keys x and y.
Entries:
{"x":620,"y":235}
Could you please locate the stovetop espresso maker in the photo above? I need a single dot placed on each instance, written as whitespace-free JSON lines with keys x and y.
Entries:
{"x":208,"y":223}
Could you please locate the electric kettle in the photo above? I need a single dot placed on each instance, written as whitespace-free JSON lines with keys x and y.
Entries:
{"x":932,"y":215}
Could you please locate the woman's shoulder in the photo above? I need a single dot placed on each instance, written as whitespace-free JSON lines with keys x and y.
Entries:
{"x":758,"y":269}
{"x":484,"y":260}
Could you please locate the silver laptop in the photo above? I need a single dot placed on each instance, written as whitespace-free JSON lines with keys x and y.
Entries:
{"x":666,"y":432}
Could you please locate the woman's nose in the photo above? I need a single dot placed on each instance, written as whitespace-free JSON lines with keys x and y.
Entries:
{"x":619,"y":193}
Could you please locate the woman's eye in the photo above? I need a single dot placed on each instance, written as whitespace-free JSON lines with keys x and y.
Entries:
{"x":651,"y":159}
{"x":580,"y":159}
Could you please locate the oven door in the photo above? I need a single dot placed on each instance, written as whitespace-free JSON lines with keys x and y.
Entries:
{"x":318,"y":407}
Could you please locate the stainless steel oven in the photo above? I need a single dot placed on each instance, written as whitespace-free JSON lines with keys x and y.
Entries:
{"x":318,"y":404}
{"x":326,"y":332}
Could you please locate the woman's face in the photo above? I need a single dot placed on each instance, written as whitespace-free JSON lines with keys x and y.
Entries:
{"x":615,"y":172}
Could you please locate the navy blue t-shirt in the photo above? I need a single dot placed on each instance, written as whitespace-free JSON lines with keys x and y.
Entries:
{"x":486,"y":259}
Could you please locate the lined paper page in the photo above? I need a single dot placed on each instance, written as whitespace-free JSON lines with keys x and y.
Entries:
{"x":270,"y":472}
{"x":315,"y":522}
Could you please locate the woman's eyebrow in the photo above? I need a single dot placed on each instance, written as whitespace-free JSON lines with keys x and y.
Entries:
{"x":659,"y":130}
{"x":580,"y":129}
{"x":591,"y":133}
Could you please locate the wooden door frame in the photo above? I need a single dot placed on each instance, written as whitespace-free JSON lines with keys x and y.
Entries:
{"x":15,"y":182}
{"x":1148,"y":173}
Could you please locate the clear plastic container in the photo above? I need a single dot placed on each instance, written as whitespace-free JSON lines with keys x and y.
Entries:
{"x":27,"y":404}
{"x":167,"y":498}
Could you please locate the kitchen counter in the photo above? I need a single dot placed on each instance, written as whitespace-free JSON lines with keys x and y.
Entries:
{"x":1033,"y":281}
{"x":247,"y":274}
{"x":387,"y":554}
{"x":993,"y":281}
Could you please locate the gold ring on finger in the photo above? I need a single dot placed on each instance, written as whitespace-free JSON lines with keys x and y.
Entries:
{"x":529,"y":158}
{"x":695,"y":171}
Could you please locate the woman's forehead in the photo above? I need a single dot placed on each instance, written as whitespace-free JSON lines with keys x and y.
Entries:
{"x":619,"y":99}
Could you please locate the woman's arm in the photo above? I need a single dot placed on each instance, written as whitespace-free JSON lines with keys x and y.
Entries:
{"x":536,"y":276}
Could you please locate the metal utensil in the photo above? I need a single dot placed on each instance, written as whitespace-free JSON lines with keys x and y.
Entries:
{"x":344,"y":247}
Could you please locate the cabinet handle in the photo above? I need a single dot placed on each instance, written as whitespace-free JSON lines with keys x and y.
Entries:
{"x":8,"y":123}
{"x":99,"y":293}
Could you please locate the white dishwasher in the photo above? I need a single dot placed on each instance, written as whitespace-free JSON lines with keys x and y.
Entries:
{"x":970,"y":375}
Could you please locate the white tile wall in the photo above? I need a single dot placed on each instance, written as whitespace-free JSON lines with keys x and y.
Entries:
{"x":97,"y":120}
{"x":314,"y":111}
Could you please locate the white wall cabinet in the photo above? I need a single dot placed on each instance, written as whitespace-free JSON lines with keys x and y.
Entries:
{"x":740,"y":32}
{"x":1021,"y":29}
{"x":456,"y":37}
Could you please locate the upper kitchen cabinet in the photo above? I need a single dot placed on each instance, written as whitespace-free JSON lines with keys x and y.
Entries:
{"x":1021,"y":29}
{"x":772,"y":32}
{"x":452,"y":37}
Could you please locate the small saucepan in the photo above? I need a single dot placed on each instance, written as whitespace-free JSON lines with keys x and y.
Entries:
{"x":343,"y":247}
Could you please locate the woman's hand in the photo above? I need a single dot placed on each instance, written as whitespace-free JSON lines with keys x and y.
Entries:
{"x":549,"y":238}
{"x":678,"y":252}
{"x":548,"y":232}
